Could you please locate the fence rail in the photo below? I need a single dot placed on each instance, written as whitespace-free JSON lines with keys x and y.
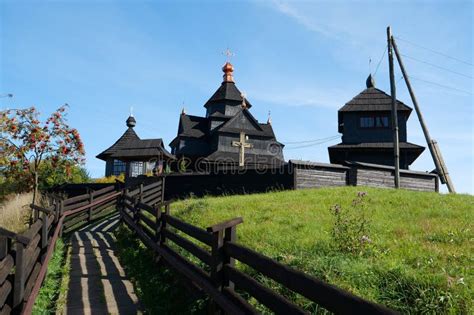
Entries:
{"x":24,"y":256}
{"x":206,"y":257}
{"x":209,"y":262}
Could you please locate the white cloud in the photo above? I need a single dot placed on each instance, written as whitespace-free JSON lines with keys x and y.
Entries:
{"x":302,"y":19}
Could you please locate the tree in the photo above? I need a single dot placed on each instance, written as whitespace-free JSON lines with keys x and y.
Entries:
{"x":26,"y":144}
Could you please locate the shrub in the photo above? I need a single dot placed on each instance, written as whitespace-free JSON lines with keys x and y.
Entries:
{"x":350,"y":231}
{"x":110,"y":179}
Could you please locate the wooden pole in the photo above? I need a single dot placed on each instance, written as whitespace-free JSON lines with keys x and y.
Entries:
{"x":432,"y":144}
{"x":396,"y":148}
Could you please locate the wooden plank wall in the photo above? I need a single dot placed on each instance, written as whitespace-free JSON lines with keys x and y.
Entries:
{"x":316,"y":175}
{"x":319,"y":175}
{"x":384,"y":179}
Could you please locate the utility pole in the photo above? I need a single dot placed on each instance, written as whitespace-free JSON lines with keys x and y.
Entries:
{"x":432,"y":144}
{"x":396,"y":148}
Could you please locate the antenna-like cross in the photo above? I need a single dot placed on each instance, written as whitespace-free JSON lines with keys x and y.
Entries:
{"x":131,"y":111}
{"x":229,"y":54}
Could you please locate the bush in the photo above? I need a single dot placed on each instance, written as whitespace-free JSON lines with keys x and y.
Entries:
{"x":350,"y":231}
{"x":110,"y":179}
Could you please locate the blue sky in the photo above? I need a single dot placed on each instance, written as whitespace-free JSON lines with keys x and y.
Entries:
{"x":299,"y":60}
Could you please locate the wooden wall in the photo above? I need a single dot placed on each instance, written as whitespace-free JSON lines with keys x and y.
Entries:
{"x":363,"y":174}
{"x":315,"y":175}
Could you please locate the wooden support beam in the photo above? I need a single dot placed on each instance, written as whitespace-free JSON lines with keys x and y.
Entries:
{"x":432,"y":144}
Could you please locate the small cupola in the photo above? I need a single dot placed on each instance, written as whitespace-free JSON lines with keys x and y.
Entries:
{"x":370,"y":83}
{"x":131,"y":122}
{"x":228,"y":68}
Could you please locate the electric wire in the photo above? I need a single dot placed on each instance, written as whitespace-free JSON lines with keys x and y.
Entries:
{"x":436,"y":66}
{"x":435,"y":52}
{"x":309,"y":141}
{"x":313,"y":144}
{"x":440,"y":85}
{"x":380,"y":61}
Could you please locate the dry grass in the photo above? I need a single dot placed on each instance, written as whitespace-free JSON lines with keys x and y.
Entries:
{"x":14,"y":212}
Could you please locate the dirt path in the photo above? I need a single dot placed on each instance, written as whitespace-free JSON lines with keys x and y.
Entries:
{"x":98,"y":284}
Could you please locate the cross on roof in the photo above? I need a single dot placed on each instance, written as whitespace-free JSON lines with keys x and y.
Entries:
{"x":229,"y":54}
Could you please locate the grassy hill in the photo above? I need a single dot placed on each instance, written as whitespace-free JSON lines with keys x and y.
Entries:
{"x":419,"y":255}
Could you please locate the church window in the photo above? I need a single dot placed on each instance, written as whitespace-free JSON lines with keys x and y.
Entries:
{"x":119,"y":167}
{"x":367,"y":122}
{"x":136,"y":169}
{"x":381,"y":122}
{"x":374,"y":122}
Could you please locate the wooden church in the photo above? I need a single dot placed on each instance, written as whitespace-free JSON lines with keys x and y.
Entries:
{"x":229,"y":135}
{"x":134,"y":156}
{"x":365,"y":124}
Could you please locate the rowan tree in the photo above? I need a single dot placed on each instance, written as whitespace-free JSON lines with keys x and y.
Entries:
{"x":26,"y":144}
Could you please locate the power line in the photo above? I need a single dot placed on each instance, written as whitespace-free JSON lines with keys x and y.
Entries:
{"x":308,"y":141}
{"x":435,"y":52}
{"x":313,"y":144}
{"x":441,"y":85}
{"x":380,"y":61}
{"x":436,"y":66}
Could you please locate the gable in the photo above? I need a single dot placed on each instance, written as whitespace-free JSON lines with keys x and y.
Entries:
{"x":242,"y":121}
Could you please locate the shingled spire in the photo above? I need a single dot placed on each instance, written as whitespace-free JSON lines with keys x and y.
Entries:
{"x":227,"y":94}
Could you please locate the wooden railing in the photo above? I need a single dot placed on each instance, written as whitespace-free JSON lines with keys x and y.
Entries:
{"x":24,"y":257}
{"x":207,"y":258}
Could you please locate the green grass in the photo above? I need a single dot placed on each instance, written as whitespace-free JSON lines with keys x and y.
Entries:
{"x":420,"y":260}
{"x":51,"y":288}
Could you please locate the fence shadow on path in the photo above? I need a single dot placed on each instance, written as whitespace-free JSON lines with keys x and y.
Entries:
{"x":98,"y":283}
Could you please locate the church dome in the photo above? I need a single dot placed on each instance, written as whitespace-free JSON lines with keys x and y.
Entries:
{"x":370,"y":83}
{"x":228,"y":68}
{"x":131,"y":122}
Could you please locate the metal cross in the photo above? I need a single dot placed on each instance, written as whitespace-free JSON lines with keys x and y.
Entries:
{"x":229,"y":54}
{"x":242,"y":145}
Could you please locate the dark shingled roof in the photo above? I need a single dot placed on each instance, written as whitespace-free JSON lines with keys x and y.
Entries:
{"x":130,"y":146}
{"x":227,"y":92}
{"x":373,"y":99}
{"x":376,"y":145}
{"x":264,"y":130}
{"x":192,"y":126}
{"x":146,"y":148}
{"x":129,"y":135}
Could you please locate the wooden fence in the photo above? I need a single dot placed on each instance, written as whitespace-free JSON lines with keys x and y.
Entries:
{"x":24,"y":257}
{"x":215,"y":251}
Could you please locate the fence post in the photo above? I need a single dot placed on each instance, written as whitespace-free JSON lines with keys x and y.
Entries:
{"x":230,"y":235}
{"x":56,"y":211}
{"x":221,"y":233}
{"x":163,"y":224}
{"x":140,"y":194}
{"x":159,"y":220}
{"x":3,"y":247}
{"x":60,"y":211}
{"x":19,"y":277}
{"x":91,"y":199}
{"x":138,"y":199}
{"x":44,"y":236}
